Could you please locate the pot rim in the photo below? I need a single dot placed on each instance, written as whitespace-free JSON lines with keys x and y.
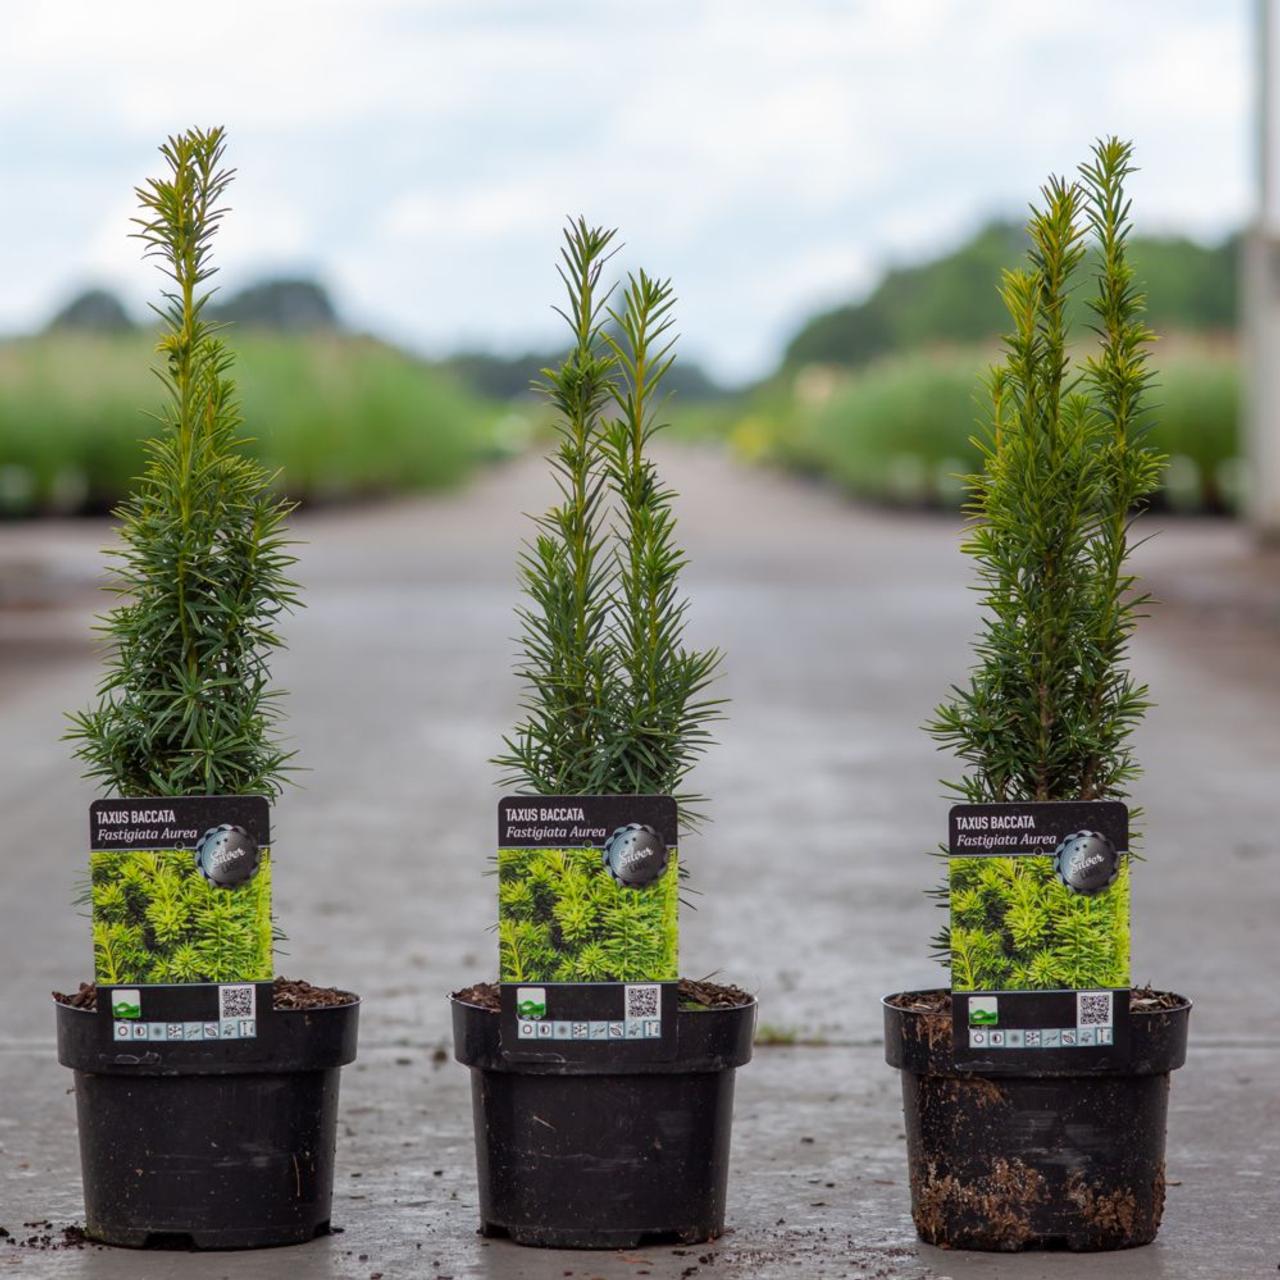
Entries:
{"x":315,"y":1040}
{"x":703,"y":1044}
{"x":1184,"y":1002}
{"x":919,"y":1042}
{"x":320,"y":1008}
{"x":700,"y":1011}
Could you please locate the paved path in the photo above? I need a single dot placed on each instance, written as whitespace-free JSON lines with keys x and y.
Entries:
{"x":842,"y":628}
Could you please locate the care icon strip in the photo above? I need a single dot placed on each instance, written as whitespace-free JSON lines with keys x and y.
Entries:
{"x":1039,"y":937}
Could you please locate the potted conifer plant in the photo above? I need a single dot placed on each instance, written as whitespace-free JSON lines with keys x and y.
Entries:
{"x":602,"y":1084}
{"x":1035,"y":1089}
{"x":206,"y":1091}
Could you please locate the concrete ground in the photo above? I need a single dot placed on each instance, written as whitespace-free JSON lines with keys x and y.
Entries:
{"x":842,"y":628}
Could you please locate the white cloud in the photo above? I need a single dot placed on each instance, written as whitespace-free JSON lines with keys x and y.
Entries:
{"x":767,"y":156}
{"x":476,"y":214}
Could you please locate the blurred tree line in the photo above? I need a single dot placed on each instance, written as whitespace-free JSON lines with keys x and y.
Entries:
{"x":953,"y":299}
{"x":950,"y":300}
{"x":300,"y":306}
{"x":876,"y":394}
{"x":286,"y":304}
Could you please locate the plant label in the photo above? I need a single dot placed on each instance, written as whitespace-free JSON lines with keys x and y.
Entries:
{"x":588,"y":901}
{"x":1039,"y":936}
{"x":588,"y":889}
{"x":180,"y":1020}
{"x":180,"y":890}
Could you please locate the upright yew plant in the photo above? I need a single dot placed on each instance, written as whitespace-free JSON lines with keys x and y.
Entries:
{"x":183,"y":740}
{"x":615,"y":702}
{"x":185,"y":706}
{"x":1049,"y":709}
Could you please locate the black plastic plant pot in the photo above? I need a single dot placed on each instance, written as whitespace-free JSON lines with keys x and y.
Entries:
{"x":610,"y":1154}
{"x":231,"y":1148}
{"x":1050,"y":1160}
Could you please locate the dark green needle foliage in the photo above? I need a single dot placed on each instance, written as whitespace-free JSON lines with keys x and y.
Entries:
{"x":661,"y":720}
{"x":1048,"y":710}
{"x":567,"y":571}
{"x":616,"y":703}
{"x":185,"y":707}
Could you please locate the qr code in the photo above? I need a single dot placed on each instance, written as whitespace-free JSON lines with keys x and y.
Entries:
{"x":236,"y":1002}
{"x":644,"y":1002}
{"x":1093,"y":1008}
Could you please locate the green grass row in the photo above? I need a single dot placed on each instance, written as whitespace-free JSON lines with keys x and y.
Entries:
{"x":340,"y":417}
{"x":899,"y":430}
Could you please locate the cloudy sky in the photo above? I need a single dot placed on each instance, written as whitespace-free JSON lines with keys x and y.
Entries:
{"x":772,"y":157}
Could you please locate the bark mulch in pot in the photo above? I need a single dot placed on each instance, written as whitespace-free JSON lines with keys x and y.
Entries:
{"x":693,"y":994}
{"x":288,"y":993}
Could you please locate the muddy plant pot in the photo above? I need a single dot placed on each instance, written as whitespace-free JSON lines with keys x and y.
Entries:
{"x":231,"y":1149}
{"x":1045,"y":1161}
{"x":609,"y":1155}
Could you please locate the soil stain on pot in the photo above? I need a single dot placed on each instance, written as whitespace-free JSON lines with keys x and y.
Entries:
{"x":1116,"y":1212}
{"x":1002,"y":1200}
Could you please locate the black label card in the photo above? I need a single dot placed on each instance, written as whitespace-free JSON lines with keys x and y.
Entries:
{"x":533,"y":822}
{"x":596,"y":1022}
{"x":1039,"y":935}
{"x":1002,"y":830}
{"x":180,"y":890}
{"x":174,"y":822}
{"x":1013,"y":1032}
{"x":588,"y":927}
